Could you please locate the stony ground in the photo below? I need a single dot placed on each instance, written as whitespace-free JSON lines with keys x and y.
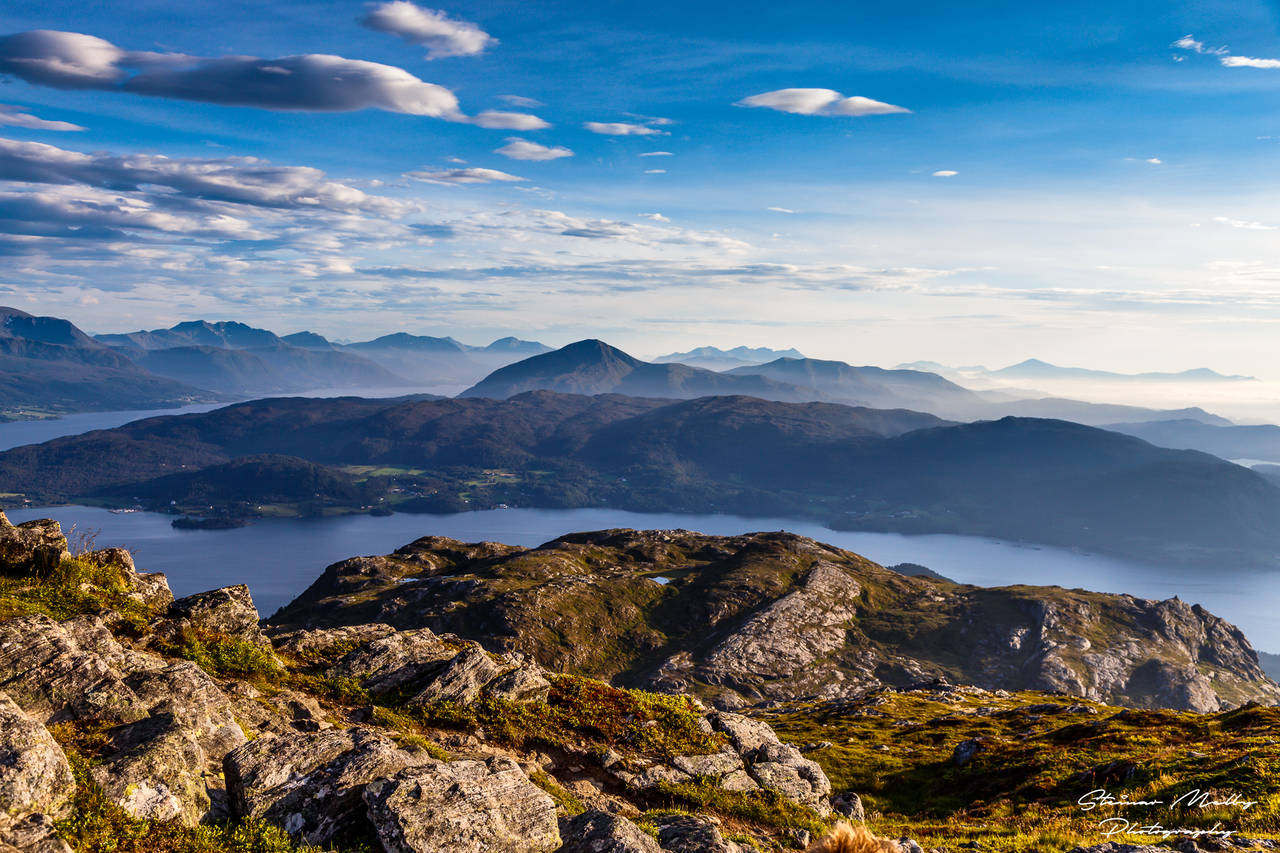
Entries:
{"x":133,"y":722}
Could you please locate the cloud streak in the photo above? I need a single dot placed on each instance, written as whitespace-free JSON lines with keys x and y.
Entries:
{"x":523,"y":149}
{"x":463,"y":176}
{"x":11,"y":116}
{"x":622,"y":128}
{"x":819,"y":102}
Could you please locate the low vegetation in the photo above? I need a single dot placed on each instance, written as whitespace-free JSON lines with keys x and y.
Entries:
{"x":1038,"y":755}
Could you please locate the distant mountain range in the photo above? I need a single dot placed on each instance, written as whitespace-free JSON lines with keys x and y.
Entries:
{"x":714,"y":358}
{"x":237,"y":358}
{"x":1261,"y":442}
{"x":48,"y":366}
{"x":1034,"y":369}
{"x":594,"y":367}
{"x":868,"y":469}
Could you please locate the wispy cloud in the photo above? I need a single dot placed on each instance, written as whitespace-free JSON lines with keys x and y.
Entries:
{"x":238,"y":180}
{"x":521,"y":101}
{"x":622,"y":128}
{"x":1224,"y":55}
{"x":823,"y":102}
{"x":523,"y":149}
{"x":1244,"y":224}
{"x":656,"y":217}
{"x":441,"y":35}
{"x":656,"y":154}
{"x":11,"y":116}
{"x":303,"y":83}
{"x":945,"y":173}
{"x":781,"y":209}
{"x":462,"y":176}
{"x":655,"y":171}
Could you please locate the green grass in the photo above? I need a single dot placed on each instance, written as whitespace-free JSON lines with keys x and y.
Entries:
{"x":75,"y":587}
{"x":581,"y":715}
{"x":1021,"y":791}
{"x":224,"y":656}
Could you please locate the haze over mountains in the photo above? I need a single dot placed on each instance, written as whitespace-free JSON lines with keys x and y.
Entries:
{"x":47,"y":365}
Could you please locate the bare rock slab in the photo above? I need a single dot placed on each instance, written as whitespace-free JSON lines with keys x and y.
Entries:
{"x":463,"y":807}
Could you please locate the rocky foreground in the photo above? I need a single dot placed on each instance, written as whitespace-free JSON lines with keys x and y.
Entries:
{"x":779,"y":617}
{"x":130,"y":721}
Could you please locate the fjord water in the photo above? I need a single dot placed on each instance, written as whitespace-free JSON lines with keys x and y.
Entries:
{"x":279,"y":558}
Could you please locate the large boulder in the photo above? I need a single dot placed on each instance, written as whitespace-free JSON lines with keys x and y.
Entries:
{"x":685,"y":833}
{"x":34,"y":775}
{"x":72,"y":670}
{"x":229,"y":610}
{"x":524,"y":683}
{"x":462,"y":678}
{"x":463,"y":807}
{"x":311,"y":784}
{"x":156,"y":771}
{"x":773,"y":764}
{"x":33,"y":546}
{"x":152,"y":589}
{"x":396,"y":660}
{"x":601,"y":832}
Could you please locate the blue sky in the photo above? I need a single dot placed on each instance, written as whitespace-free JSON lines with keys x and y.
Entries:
{"x":977,"y":183}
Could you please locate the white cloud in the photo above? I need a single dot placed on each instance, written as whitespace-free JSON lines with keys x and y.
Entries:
{"x":781,"y":209}
{"x":1244,"y":224}
{"x":495,"y":120}
{"x":12,"y":116}
{"x":655,"y":171}
{"x":824,"y":102}
{"x":521,"y":101}
{"x":1190,"y":43}
{"x":656,"y":154}
{"x":1155,"y":161}
{"x":305,"y":83}
{"x":1249,"y":62}
{"x":656,"y":217}
{"x":462,"y":176}
{"x":622,"y":128}
{"x":523,"y":149}
{"x":437,"y":32}
{"x":945,"y":173}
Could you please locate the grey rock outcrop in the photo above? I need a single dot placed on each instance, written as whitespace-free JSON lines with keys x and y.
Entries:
{"x":461,"y":679}
{"x":229,"y":610}
{"x":395,"y":660}
{"x":525,"y":683}
{"x":311,"y":784}
{"x":682,"y":833}
{"x":36,"y":545}
{"x":600,"y":832}
{"x":463,"y":807}
{"x":773,"y":764}
{"x":70,"y":670}
{"x":35,"y":777}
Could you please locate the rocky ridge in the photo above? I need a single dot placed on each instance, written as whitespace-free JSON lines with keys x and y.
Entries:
{"x":162,"y":714}
{"x":776,"y":617}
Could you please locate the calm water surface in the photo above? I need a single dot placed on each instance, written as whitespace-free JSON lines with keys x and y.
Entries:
{"x":279,"y":558}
